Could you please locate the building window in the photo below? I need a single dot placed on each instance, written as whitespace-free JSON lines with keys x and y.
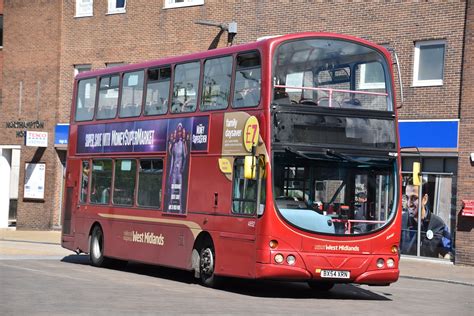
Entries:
{"x":81,"y":68}
{"x":371,"y":76}
{"x":110,"y":65}
{"x":182,"y":3}
{"x":428,"y":67}
{"x":117,"y":6}
{"x":84,"y":8}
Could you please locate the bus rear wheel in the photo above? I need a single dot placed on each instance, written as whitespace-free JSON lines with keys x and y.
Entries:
{"x":96,"y":252}
{"x":320,"y":286}
{"x":207,"y":266}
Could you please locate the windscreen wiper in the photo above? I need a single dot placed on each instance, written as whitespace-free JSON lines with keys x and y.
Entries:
{"x":343,"y":157}
{"x":299,"y":153}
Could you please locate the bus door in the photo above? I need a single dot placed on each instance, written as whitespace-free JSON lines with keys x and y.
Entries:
{"x":77,"y":189}
{"x":240,"y":234}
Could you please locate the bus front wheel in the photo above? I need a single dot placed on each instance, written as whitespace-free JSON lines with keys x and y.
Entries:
{"x":320,"y":286}
{"x":207,"y":266}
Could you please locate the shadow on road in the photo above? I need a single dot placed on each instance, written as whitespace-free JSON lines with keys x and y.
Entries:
{"x":254,"y":288}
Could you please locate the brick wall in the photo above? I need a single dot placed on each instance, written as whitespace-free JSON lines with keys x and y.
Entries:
{"x":31,"y":56}
{"x":465,"y":229}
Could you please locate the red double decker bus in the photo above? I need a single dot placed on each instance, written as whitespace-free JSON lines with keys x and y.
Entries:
{"x":277,"y":159}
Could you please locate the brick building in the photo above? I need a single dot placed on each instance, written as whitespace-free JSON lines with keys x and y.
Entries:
{"x":46,"y":42}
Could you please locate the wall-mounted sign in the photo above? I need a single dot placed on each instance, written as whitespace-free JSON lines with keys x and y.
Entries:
{"x":36,"y":139}
{"x":61,"y":134}
{"x":34,"y":181}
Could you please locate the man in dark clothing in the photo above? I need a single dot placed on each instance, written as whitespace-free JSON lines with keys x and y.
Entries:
{"x":435,"y":236}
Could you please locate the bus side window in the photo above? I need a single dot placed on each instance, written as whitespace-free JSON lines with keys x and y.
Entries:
{"x":108,"y":97}
{"x":150,"y":179}
{"x":185,"y":87}
{"x":216,"y":84}
{"x":86,"y":99}
{"x":101,"y":181}
{"x":124,"y":181}
{"x":84,"y":181}
{"x":157,"y":91}
{"x":244,"y":191}
{"x":247,"y":80}
{"x":132,"y":94}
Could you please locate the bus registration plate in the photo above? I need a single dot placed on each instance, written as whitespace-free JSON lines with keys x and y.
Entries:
{"x":335,"y":274}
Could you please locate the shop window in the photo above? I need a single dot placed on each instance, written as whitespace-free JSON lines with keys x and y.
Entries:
{"x":182,"y":3}
{"x":117,"y":6}
{"x":84,"y":8}
{"x":150,"y":179}
{"x":428,"y":67}
{"x":124,"y":181}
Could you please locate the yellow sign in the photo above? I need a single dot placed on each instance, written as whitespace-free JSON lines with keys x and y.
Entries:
{"x":225,"y":165}
{"x":251,"y":133}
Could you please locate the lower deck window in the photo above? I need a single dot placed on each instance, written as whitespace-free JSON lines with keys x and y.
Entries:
{"x":150,"y":179}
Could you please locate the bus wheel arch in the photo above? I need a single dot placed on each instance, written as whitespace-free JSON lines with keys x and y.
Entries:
{"x":204,"y":259}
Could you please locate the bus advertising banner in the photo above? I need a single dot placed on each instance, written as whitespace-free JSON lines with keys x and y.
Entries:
{"x":138,"y":136}
{"x":177,"y":166}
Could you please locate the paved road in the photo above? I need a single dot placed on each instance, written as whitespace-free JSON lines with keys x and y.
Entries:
{"x":69,"y":285}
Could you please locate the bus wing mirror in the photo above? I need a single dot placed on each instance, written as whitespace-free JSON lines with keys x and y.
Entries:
{"x":416,"y":173}
{"x":250,"y":167}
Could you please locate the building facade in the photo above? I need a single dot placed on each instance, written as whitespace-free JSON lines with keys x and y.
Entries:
{"x":47,"y":42}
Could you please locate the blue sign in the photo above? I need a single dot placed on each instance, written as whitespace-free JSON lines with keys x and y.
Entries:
{"x":429,"y":134}
{"x":61,"y":134}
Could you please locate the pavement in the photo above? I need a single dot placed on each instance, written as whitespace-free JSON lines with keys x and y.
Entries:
{"x":18,"y":244}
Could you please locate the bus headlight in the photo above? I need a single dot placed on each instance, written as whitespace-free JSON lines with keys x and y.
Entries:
{"x":279,"y":258}
{"x":390,"y":263}
{"x":291,"y":260}
{"x":380,"y":263}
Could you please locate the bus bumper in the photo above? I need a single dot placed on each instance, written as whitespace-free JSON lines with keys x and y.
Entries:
{"x":380,"y":277}
{"x":272,"y":271}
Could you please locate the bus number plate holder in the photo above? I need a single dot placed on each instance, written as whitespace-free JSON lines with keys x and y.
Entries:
{"x":335,"y":274}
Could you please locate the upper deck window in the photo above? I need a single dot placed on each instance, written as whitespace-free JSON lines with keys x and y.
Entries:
{"x":132,"y":94}
{"x":108,"y":97}
{"x":157,"y":90}
{"x":247,"y":80}
{"x":331,"y":73}
{"x":216,"y":85}
{"x":185,"y":87}
{"x":85,"y":99}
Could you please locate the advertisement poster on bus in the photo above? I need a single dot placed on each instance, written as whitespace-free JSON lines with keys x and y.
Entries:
{"x":177,"y":166}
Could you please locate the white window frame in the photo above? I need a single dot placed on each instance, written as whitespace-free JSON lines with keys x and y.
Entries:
{"x":416,"y":64}
{"x":112,"y":7}
{"x":170,"y":4}
{"x":84,"y":8}
{"x":369,"y":85}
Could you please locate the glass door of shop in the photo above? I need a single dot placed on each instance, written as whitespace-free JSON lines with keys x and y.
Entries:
{"x":428,"y":218}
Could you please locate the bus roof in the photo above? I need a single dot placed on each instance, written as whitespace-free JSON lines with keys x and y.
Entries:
{"x":266,"y":41}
